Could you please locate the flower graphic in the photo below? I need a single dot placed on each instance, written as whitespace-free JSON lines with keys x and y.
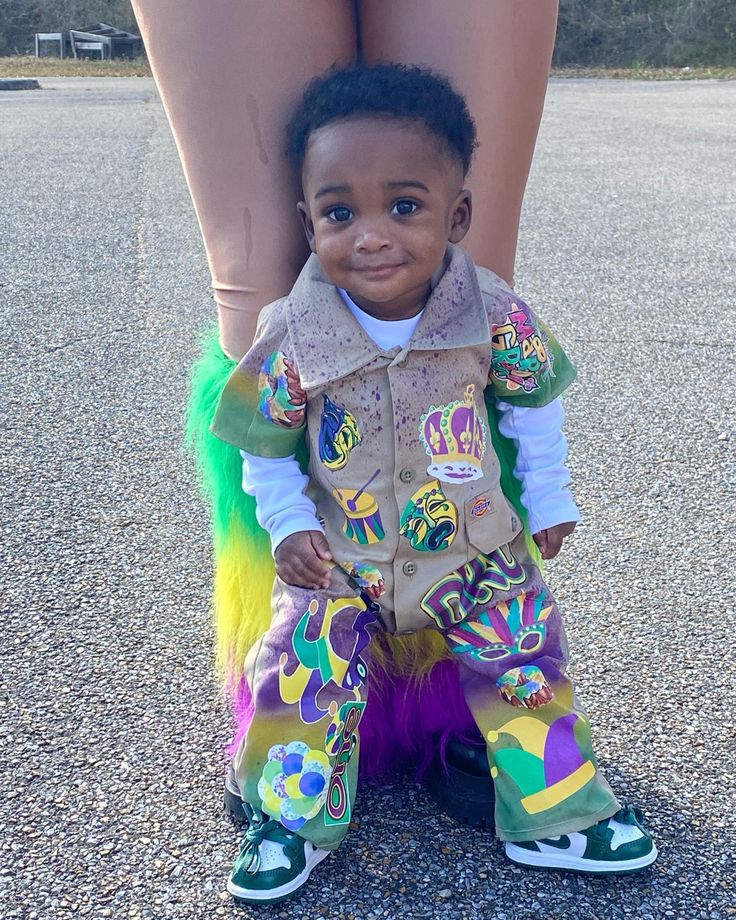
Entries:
{"x":294,"y":783}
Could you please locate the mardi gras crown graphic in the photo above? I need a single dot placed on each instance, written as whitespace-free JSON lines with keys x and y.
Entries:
{"x":454,"y":436}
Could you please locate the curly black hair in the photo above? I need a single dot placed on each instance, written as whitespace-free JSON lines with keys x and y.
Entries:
{"x":384,"y":90}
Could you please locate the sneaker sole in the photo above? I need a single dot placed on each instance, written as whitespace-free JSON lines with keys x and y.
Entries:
{"x":254,"y":896}
{"x":534,"y":860}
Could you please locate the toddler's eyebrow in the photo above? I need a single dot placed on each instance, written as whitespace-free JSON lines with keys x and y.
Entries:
{"x":334,"y":190}
{"x":346,"y":189}
{"x":408,"y":183}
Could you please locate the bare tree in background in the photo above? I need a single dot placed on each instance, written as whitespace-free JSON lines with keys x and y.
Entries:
{"x":20,"y":19}
{"x":61,"y":15}
{"x":652,"y":32}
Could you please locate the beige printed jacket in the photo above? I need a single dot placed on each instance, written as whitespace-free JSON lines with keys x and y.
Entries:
{"x":401,"y":465}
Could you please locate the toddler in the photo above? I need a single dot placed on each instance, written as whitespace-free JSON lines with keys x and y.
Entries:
{"x":380,"y":362}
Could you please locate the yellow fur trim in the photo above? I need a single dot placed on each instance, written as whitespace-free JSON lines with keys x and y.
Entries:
{"x":244,"y":577}
{"x":410,"y":655}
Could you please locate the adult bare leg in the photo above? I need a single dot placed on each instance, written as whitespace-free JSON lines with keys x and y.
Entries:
{"x":229,"y":73}
{"x":497,"y":53}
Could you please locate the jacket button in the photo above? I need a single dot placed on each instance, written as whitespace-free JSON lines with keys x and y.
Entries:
{"x":406,"y":475}
{"x":409,"y":568}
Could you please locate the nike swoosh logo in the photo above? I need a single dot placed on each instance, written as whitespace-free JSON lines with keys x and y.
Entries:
{"x":562,"y":843}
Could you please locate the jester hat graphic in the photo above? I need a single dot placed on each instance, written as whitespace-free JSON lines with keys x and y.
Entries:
{"x":549,"y":767}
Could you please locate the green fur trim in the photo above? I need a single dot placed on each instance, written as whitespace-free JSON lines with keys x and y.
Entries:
{"x":219,"y":464}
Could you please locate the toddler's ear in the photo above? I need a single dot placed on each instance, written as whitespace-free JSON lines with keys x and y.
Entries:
{"x":460,"y":216}
{"x":307,"y":224}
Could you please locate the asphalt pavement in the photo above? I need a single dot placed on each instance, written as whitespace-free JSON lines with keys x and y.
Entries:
{"x":112,"y":728}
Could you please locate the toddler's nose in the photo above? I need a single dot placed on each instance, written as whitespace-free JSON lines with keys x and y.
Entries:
{"x":372,"y":238}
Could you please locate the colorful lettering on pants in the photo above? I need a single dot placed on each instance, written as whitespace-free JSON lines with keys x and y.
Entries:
{"x":299,"y":759}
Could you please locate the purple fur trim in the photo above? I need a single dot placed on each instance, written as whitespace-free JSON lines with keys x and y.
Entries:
{"x":406,"y":723}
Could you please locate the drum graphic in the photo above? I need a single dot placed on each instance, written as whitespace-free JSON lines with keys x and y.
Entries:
{"x":362,"y":518}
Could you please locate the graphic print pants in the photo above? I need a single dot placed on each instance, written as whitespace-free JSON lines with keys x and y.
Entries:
{"x":308,"y":676}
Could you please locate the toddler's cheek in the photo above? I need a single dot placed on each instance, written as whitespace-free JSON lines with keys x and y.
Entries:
{"x":332,"y":255}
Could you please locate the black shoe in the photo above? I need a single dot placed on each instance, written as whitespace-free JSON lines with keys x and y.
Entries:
{"x":233,"y":802}
{"x":464,"y":789}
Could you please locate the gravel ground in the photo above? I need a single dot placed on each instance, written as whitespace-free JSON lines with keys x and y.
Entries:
{"x":110,"y":746}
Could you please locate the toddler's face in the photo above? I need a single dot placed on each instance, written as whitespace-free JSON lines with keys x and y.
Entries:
{"x":381,"y":201}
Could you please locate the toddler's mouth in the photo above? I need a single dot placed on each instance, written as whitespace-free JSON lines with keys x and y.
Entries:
{"x":379,"y":271}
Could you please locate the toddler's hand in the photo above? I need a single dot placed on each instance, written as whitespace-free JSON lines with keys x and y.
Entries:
{"x":301,"y":560}
{"x":550,"y":540}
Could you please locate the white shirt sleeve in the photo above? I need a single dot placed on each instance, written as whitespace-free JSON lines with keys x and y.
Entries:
{"x":540,"y":465}
{"x":278,"y":485}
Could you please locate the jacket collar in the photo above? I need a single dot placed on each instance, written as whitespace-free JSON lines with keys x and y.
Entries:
{"x":329,"y":343}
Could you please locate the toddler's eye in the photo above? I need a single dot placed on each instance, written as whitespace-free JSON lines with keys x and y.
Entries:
{"x":339,"y":213}
{"x":404,"y":206}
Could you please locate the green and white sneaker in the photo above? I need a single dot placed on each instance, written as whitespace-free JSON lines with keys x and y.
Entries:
{"x":613,"y":846}
{"x":273,"y":862}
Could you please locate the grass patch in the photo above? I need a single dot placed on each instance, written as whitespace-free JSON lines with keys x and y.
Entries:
{"x":27,"y":65}
{"x":641,"y":72}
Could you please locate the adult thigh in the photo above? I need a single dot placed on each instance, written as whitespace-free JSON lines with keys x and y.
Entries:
{"x":497,"y":53}
{"x":229,"y":73}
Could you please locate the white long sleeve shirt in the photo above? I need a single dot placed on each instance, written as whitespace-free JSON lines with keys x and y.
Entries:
{"x":278,"y":485}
